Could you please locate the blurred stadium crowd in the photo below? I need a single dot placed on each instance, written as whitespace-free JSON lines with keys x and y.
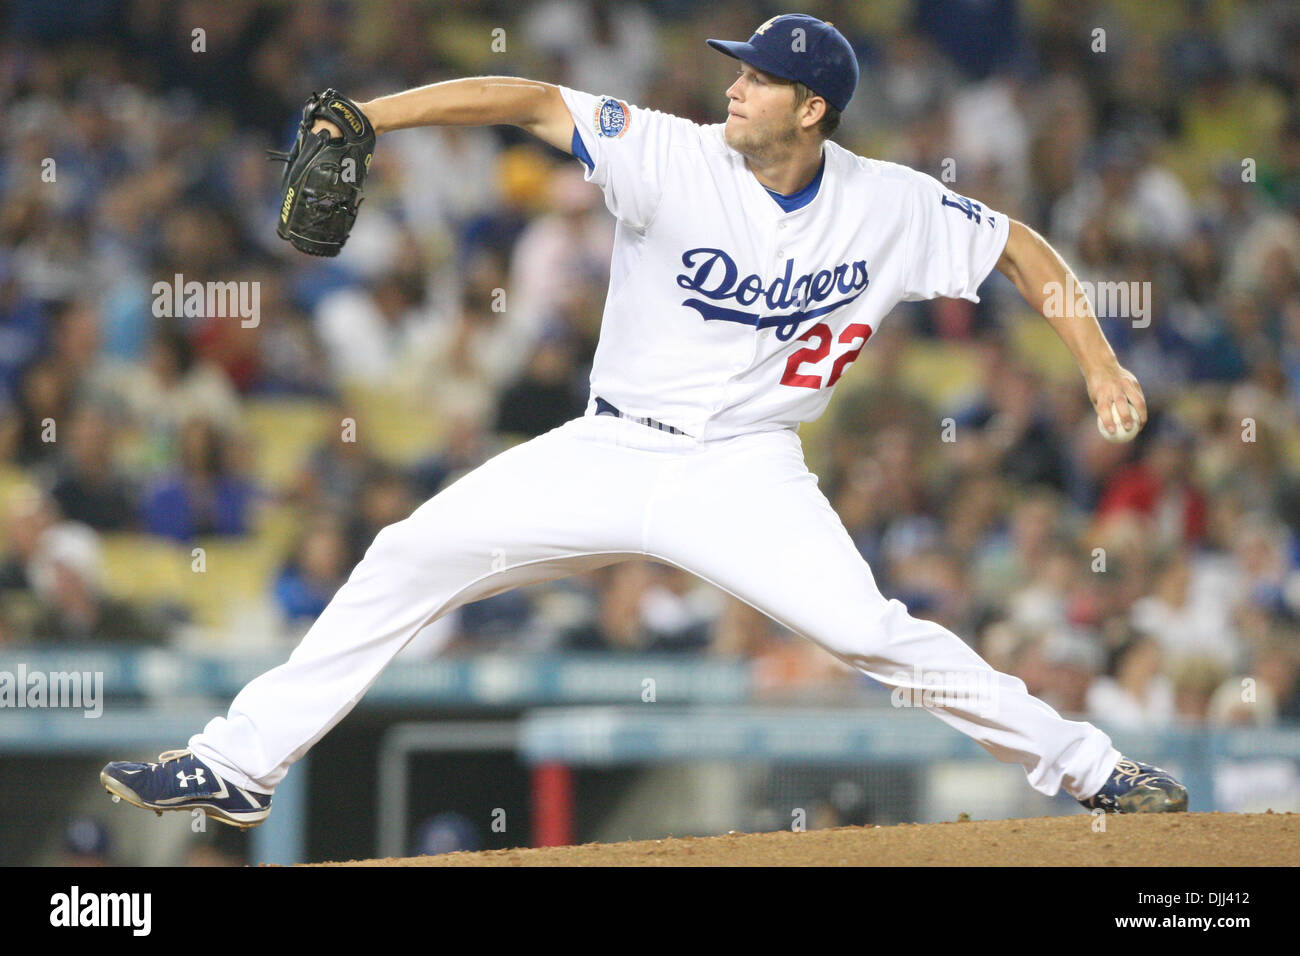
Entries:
{"x":205,"y":482}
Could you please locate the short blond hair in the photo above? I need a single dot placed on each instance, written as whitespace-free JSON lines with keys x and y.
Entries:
{"x":830,"y":120}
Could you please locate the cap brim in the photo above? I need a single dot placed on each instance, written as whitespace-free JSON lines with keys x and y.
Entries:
{"x":747,"y":52}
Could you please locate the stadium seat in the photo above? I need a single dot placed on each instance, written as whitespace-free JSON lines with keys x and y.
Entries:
{"x":284,"y":432}
{"x":144,"y":568}
{"x":399,"y":429}
{"x":236,"y":573}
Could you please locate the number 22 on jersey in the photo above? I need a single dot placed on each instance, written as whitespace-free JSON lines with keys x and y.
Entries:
{"x":812,"y":354}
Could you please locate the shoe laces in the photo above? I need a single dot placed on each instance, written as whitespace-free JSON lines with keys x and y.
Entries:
{"x":170,"y":755}
{"x":1129,"y":772}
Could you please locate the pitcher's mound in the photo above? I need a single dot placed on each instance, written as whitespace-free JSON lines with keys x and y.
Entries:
{"x":1166,"y":839}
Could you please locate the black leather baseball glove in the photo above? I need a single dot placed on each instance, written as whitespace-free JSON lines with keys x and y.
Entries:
{"x":321,"y":189}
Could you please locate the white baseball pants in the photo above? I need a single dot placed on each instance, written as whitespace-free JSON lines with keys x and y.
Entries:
{"x":743,"y":513}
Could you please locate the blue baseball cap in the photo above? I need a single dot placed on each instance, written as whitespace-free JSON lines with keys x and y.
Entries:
{"x":795,"y":46}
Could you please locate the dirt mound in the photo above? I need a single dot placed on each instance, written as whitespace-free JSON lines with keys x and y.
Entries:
{"x":1176,"y":839}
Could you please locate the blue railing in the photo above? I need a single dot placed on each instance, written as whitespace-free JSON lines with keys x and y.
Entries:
{"x":484,"y":680}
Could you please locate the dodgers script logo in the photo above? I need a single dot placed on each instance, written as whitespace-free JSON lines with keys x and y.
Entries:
{"x":715,"y":277}
{"x":612,"y":118}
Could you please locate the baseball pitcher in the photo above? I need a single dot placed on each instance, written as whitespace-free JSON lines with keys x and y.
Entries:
{"x":754,"y":259}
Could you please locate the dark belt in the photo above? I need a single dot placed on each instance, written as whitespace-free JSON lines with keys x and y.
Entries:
{"x":605,"y":408}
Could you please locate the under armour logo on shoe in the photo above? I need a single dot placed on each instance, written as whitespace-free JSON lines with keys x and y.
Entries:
{"x":185,"y":778}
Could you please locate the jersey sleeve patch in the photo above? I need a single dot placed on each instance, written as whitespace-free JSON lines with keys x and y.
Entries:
{"x":612,"y":117}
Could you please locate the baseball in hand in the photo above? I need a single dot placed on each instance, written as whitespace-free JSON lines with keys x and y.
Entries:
{"x":1120,"y":434}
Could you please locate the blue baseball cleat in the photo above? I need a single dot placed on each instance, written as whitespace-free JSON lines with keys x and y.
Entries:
{"x":180,"y":781}
{"x":1139,"y":788}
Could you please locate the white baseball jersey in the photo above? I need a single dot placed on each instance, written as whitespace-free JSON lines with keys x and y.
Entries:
{"x":726,"y":313}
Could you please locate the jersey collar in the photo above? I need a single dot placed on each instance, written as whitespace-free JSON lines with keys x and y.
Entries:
{"x":797,"y":200}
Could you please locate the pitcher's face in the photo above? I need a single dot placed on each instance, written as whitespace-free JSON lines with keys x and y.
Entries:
{"x":760,"y":112}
